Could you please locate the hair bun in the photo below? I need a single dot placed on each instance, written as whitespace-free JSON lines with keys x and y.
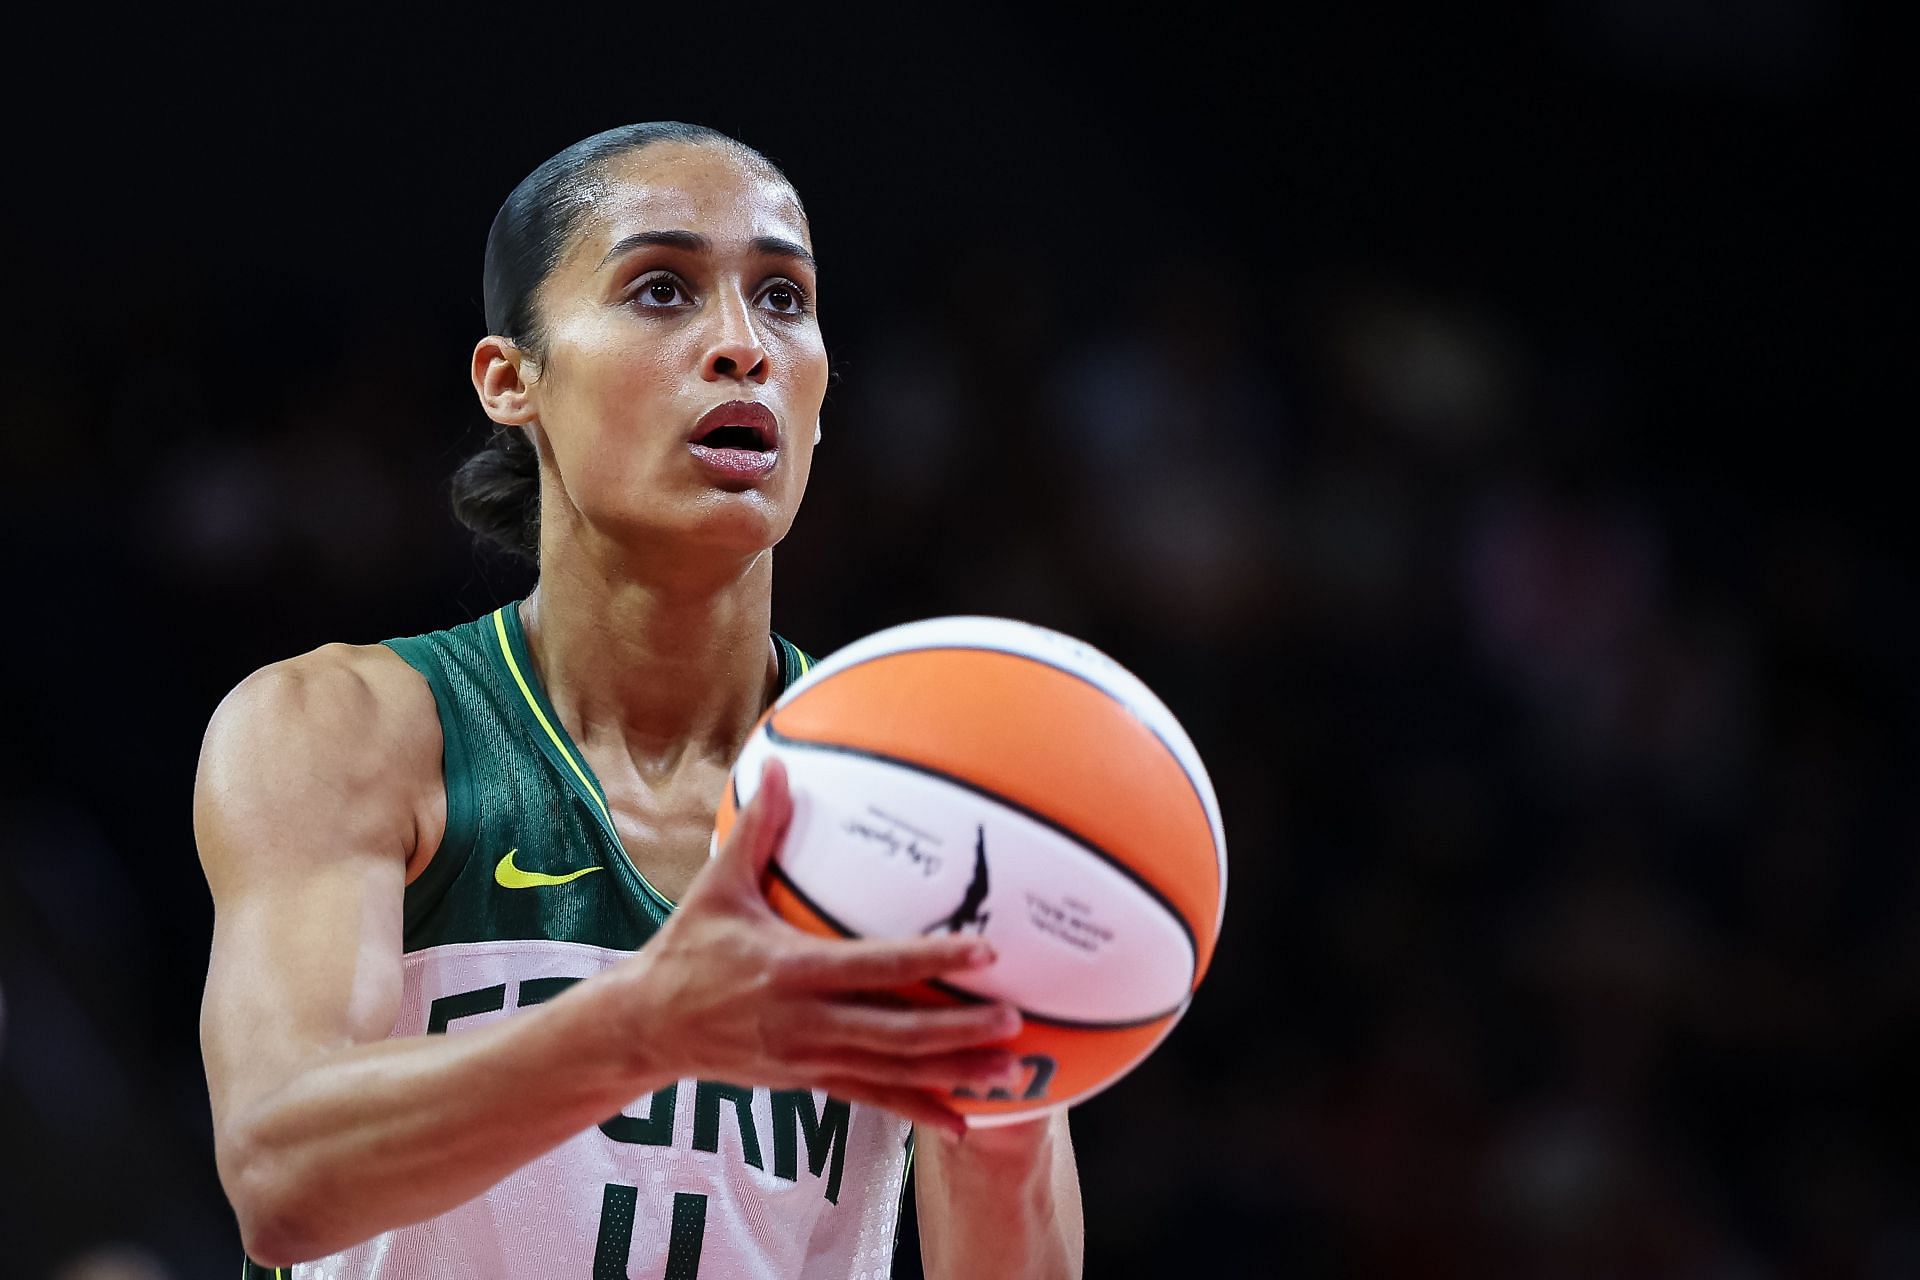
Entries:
{"x":496,"y":493}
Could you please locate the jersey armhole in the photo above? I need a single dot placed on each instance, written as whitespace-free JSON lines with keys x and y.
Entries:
{"x":456,"y":843}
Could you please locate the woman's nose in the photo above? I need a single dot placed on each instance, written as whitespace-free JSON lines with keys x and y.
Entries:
{"x":734,"y":350}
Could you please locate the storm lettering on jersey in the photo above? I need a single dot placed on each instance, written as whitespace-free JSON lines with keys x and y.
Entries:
{"x":796,"y":1118}
{"x":797,"y":1121}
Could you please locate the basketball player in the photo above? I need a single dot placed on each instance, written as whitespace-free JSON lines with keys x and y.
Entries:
{"x":479,"y":1003}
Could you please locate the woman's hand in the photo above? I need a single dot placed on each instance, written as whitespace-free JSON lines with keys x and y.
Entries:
{"x":727,"y":990}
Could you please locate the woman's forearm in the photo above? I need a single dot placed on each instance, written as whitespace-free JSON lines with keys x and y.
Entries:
{"x":999,"y":1202}
{"x":375,"y":1136}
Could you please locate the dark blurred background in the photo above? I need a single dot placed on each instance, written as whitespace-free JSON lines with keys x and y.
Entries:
{"x":1463,"y":422}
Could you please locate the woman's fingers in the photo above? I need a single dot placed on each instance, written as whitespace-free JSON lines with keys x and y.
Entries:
{"x":912,"y":1047}
{"x":913,"y":1030}
{"x":916,"y":1105}
{"x":976,"y":1069}
{"x":869,"y":964}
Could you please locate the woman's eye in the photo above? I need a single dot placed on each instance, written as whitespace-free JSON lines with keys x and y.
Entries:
{"x":784,"y":298}
{"x":661,"y":291}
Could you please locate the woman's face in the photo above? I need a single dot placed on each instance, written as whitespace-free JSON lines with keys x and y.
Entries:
{"x":684,"y":369}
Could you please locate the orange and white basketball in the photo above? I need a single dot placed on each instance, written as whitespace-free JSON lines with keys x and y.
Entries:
{"x":985,"y":776}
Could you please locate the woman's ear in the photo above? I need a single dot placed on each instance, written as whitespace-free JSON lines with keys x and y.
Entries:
{"x":503,"y":377}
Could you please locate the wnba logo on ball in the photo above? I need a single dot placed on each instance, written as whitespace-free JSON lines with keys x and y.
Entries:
{"x":969,"y":912}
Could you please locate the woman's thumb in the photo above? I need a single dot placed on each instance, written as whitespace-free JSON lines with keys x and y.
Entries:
{"x":750,"y":846}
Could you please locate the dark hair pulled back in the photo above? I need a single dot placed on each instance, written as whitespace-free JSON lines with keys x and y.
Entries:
{"x":496,"y":492}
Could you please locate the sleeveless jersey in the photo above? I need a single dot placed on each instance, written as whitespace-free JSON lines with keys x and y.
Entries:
{"x":529,"y":892}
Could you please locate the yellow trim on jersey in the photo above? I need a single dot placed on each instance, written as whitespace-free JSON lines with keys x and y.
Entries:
{"x":500,"y":629}
{"x":560,"y":745}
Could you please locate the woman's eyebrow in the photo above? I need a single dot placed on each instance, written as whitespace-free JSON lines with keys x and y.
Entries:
{"x":775,"y":247}
{"x":694,"y":242}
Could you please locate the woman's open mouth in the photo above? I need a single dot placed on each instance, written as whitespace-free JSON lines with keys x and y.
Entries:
{"x":739,"y":441}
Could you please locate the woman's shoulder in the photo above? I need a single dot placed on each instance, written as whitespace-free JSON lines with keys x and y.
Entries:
{"x":340,"y":711}
{"x":342,"y":729}
{"x":338,"y":687}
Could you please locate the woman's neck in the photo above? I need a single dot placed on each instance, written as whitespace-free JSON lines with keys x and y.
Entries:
{"x":661,"y":667}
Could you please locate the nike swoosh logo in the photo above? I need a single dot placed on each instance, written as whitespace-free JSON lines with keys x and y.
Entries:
{"x":508,"y":876}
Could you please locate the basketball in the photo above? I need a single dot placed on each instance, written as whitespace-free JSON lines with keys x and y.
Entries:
{"x":985,"y":776}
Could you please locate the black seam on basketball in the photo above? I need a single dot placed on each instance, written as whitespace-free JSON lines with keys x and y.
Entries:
{"x":834,"y":922}
{"x":1186,"y":930}
{"x":971,"y":997}
{"x":1219,"y":836}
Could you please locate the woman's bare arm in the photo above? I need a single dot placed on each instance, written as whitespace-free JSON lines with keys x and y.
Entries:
{"x":317,"y":785}
{"x":1002,"y":1202}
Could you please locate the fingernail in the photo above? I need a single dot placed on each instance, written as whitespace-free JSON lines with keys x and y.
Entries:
{"x":980,"y":955}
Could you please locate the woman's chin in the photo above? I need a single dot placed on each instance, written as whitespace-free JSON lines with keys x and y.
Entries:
{"x":723,"y":526}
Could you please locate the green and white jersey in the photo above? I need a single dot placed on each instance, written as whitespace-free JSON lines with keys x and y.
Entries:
{"x":529,"y":892}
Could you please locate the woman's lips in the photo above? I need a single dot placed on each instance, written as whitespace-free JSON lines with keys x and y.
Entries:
{"x":742,"y":466}
{"x":746,"y":415}
{"x":744,"y":441}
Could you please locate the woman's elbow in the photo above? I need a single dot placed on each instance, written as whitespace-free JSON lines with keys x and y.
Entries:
{"x":274,"y":1210}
